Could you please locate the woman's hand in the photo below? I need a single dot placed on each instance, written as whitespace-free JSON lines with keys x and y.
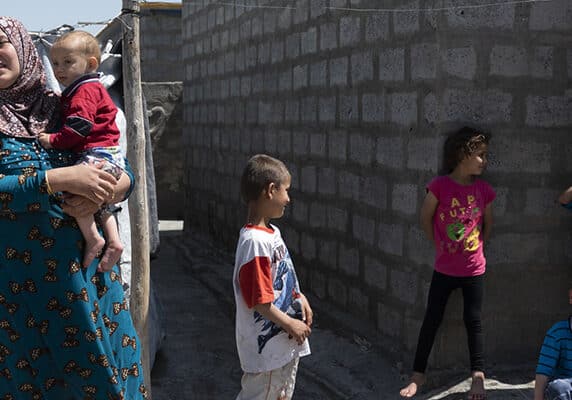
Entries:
{"x":89,"y":181}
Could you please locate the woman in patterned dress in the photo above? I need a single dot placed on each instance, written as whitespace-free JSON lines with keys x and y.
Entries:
{"x":65,"y":330}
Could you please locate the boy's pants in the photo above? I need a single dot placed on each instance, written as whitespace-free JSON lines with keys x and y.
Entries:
{"x":277,"y":384}
{"x":559,"y":389}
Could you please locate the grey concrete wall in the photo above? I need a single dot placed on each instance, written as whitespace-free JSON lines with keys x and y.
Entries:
{"x":160,"y":42}
{"x":356,"y":104}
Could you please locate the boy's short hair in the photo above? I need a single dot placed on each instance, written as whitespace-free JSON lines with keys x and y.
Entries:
{"x":89,"y":44}
{"x":260,"y":171}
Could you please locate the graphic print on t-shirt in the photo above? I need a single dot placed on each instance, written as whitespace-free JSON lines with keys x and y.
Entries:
{"x":286,"y":293}
{"x":460,"y":218}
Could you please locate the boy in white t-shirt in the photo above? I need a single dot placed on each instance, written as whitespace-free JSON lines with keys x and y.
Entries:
{"x":273,"y":317}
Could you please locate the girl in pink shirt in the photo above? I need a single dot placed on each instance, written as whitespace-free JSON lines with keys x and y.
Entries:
{"x":456,"y":216}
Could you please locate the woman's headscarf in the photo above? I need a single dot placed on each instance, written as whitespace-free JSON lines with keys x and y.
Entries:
{"x":26,"y":107}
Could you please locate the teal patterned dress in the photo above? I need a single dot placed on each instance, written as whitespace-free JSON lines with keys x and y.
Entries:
{"x":65,"y":330}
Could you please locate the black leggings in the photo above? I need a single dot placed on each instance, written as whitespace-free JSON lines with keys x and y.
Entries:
{"x":441,"y":287}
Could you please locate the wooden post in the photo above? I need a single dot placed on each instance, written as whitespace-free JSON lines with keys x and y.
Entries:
{"x":138,"y":214}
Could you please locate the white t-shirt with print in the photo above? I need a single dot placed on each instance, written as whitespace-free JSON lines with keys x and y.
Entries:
{"x":264,"y":273}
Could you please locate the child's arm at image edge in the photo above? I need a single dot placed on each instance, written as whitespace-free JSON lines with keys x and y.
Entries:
{"x":565,"y":198}
{"x":540,"y":383}
{"x":488,"y":222}
{"x":426,"y":214}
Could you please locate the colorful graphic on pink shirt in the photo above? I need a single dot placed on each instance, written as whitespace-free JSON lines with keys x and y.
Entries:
{"x":457,"y":225}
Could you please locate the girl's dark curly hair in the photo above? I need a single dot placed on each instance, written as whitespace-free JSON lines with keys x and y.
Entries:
{"x":461,"y":144}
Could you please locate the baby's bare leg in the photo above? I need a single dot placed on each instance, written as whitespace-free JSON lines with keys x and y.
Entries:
{"x":93,"y":240}
{"x":417,"y":379}
{"x":114,"y":246}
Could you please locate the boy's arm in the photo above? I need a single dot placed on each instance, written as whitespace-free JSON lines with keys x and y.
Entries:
{"x":540,"y":383}
{"x":294,"y":327}
{"x":488,"y":222}
{"x":426,"y":215}
{"x":307,"y":313}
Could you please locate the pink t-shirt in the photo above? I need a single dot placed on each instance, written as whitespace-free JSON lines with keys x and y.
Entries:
{"x":457,"y":225}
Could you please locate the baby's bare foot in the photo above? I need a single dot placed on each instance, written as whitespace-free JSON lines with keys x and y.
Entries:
{"x":92,"y":249}
{"x":417,"y":379}
{"x":111,"y":256}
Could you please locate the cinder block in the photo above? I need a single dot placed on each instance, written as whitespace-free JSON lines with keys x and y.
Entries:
{"x":318,"y":283}
{"x":390,"y":239}
{"x":420,"y":249}
{"x":350,"y":29}
{"x":337,"y":218}
{"x":569,"y":62}
{"x":337,"y":145}
{"x":373,"y":107}
{"x":328,"y":253}
{"x":375,"y":273}
{"x":309,"y":41}
{"x":403,"y":285}
{"x":549,"y":111}
{"x":404,"y":198}
{"x":339,"y":71}
{"x":392,"y":64}
{"x":300,"y":76}
{"x":377,"y":27}
{"x":374,"y":192}
{"x":348,"y":260}
{"x":555,"y":16}
{"x":422,"y":154}
{"x":361,"y":149}
{"x":328,"y":36}
{"x":308,"y":247}
{"x":318,"y":8}
{"x":299,"y":211}
{"x":318,"y":144}
{"x":363,"y":229}
{"x":348,"y":109}
{"x":318,"y":74}
{"x":488,"y":106}
{"x":358,"y":301}
{"x":542,"y":202}
{"x":362,"y":67}
{"x":406,"y":23}
{"x":337,"y":291}
{"x":317,"y":215}
{"x":461,"y":62}
{"x":424,"y":61}
{"x":293,"y":45}
{"x":302,"y":11}
{"x":327,"y":110}
{"x":277,"y":51}
{"x":404,"y":108}
{"x":349,"y":185}
{"x":501,"y":16}
{"x":309,"y":111}
{"x":327,"y":181}
{"x":518,"y":249}
{"x":270,"y":20}
{"x":285,"y":81}
{"x":389,"y":152}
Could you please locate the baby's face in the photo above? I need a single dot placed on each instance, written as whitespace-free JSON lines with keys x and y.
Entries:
{"x":69,"y":64}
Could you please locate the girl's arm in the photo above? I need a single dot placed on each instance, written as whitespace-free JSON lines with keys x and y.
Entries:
{"x":426,"y":214}
{"x":488,"y":222}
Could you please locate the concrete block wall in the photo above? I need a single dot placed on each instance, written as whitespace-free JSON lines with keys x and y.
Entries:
{"x":160,"y":42}
{"x":357,"y":104}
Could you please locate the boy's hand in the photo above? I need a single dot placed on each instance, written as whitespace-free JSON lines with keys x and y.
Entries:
{"x":307,"y":313}
{"x":298,"y":330}
{"x":44,"y":140}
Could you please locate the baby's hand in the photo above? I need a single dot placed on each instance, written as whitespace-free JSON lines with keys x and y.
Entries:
{"x":44,"y":140}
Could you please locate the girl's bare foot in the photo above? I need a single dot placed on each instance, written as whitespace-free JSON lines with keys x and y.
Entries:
{"x":92,"y":248}
{"x":111,"y":256}
{"x":477,"y":391}
{"x":417,"y":379}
